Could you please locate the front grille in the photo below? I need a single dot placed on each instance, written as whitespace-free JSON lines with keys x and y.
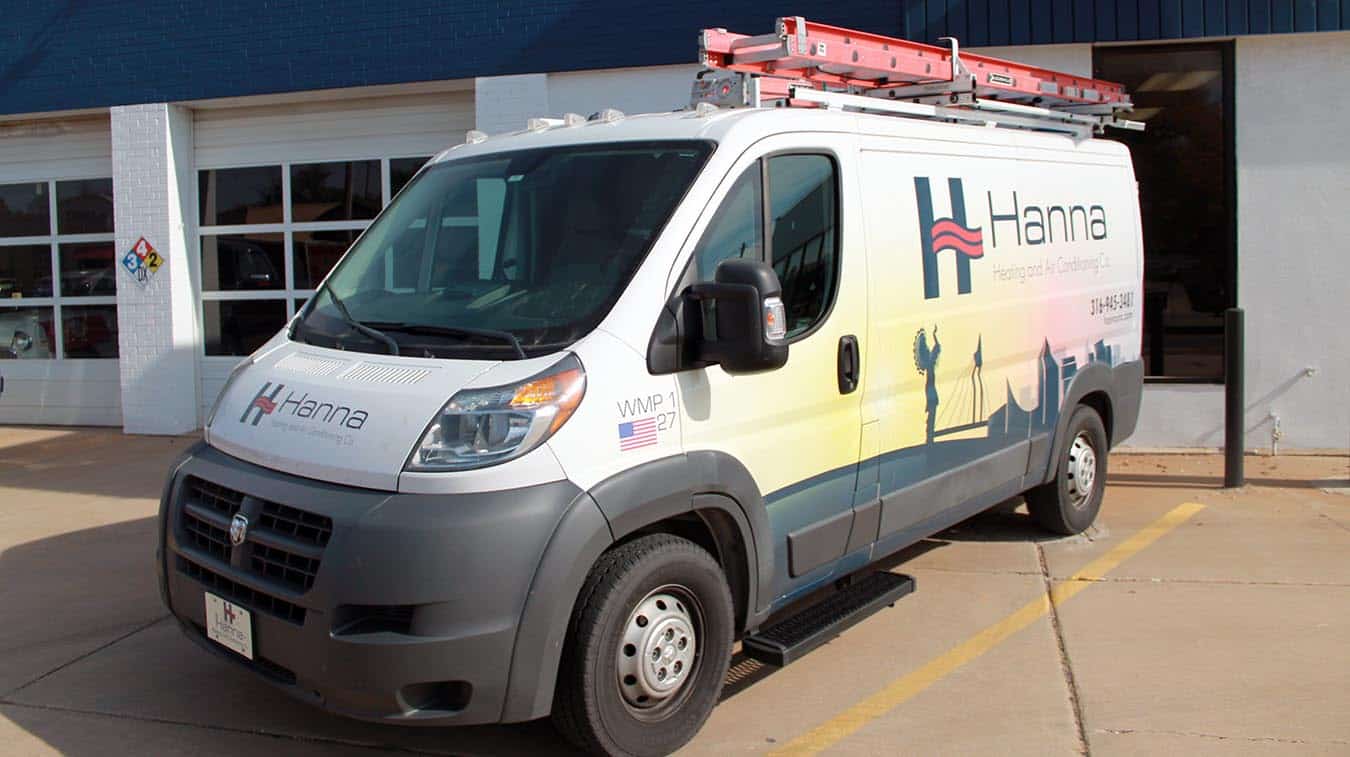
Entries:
{"x":214,"y":496}
{"x":296,"y":571}
{"x":241,"y":594}
{"x":297,"y":524}
{"x":206,"y":537}
{"x":283,"y":547}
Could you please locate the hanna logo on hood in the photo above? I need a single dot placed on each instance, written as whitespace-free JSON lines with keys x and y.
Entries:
{"x":265,"y":403}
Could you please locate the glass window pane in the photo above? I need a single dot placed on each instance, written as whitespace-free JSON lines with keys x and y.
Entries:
{"x":241,"y":326}
{"x":401,"y":170}
{"x":87,"y":269}
{"x":25,"y":271}
{"x":89,"y":331}
{"x":736,"y":231}
{"x":335,"y":191}
{"x":316,"y":252}
{"x":802,"y":211}
{"x":232,"y":196}
{"x":24,"y":210}
{"x":243,"y":262}
{"x":84,"y":206}
{"x":26,"y":333}
{"x":1182,"y":162}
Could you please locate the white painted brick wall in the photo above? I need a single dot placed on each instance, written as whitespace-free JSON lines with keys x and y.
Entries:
{"x":157,"y":329}
{"x":505,"y":103}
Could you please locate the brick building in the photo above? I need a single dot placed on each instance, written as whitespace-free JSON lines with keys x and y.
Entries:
{"x":248,"y":143}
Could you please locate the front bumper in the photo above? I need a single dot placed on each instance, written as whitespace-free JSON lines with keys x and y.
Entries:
{"x":379,"y":606}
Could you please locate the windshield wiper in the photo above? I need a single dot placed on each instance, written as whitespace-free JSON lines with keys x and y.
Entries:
{"x":361,"y":327}
{"x":453,"y":331}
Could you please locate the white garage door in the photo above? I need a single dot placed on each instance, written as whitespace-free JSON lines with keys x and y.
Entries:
{"x":283,"y":190}
{"x":58,"y":304}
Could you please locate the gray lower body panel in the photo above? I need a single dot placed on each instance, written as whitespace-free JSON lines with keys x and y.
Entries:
{"x":380,"y":606}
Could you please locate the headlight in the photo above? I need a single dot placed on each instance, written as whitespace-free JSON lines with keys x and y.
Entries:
{"x":482,"y":427}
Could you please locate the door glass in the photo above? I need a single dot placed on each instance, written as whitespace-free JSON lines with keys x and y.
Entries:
{"x":1183,"y":163}
{"x":804,"y":240}
{"x":736,"y":231}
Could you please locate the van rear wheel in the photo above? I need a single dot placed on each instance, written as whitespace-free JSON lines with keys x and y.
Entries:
{"x":647,"y":650}
{"x":1069,"y":503}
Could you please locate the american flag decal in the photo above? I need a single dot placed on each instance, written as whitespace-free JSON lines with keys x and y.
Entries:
{"x":637,"y":434}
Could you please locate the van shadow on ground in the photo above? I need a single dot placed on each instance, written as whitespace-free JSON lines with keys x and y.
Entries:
{"x":85,"y":634}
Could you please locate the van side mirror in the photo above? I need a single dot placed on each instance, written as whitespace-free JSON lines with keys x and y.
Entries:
{"x":736,"y":321}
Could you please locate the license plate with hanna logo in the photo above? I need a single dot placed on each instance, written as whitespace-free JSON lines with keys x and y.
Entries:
{"x":229,"y":625}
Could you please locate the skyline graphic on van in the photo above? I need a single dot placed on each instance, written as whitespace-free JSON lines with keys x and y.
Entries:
{"x":942,"y":234}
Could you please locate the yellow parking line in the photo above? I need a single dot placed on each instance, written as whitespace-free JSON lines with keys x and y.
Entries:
{"x":854,"y":718}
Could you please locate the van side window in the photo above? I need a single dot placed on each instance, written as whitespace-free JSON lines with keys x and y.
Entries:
{"x":737,"y":231}
{"x":804,"y":235}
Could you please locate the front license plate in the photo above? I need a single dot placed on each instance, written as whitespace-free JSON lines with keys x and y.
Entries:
{"x":230,"y":625}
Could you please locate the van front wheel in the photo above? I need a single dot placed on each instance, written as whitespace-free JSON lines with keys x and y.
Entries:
{"x":647,"y":649}
{"x":1069,"y":503}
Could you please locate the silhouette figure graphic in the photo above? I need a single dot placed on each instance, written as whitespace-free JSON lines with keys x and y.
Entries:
{"x":926,"y":359}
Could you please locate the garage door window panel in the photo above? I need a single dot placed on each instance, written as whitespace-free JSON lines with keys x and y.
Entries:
{"x":243,"y":262}
{"x":88,"y":269}
{"x":269,"y":235}
{"x":25,"y":271}
{"x":57,"y":270}
{"x":238,"y":327}
{"x":89,"y":331}
{"x":342,"y":191}
{"x":25,"y":210}
{"x":84,"y":206}
{"x":27,"y":333}
{"x":240,"y":196}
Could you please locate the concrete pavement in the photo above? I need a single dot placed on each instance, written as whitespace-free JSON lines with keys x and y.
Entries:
{"x":1228,"y":632}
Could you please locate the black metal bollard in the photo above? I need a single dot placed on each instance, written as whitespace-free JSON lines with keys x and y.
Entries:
{"x":1233,"y":398}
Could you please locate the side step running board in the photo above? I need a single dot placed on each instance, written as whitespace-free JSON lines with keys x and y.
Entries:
{"x":789,"y":639}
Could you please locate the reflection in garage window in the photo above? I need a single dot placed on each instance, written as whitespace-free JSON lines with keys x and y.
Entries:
{"x":25,"y":210}
{"x":239,"y":327}
{"x":89,"y":331}
{"x":335,"y":191}
{"x":316,"y":252}
{"x":238,"y":196}
{"x":84,"y":206}
{"x":26,"y":333}
{"x":243,"y":262}
{"x":87,"y":269}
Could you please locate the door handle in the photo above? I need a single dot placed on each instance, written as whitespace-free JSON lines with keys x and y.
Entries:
{"x":850,"y":363}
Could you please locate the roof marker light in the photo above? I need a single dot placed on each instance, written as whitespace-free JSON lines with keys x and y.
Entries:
{"x":573,"y":119}
{"x":475,"y":136}
{"x":608,"y":116}
{"x":542,"y":124}
{"x":705,"y":109}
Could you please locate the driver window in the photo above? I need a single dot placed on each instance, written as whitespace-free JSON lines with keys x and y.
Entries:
{"x":803,"y":244}
{"x":737,"y":231}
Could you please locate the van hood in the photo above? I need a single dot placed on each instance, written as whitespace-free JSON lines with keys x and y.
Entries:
{"x":343,"y":417}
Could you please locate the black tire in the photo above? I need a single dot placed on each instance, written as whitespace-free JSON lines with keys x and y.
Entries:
{"x":1060,"y":505}
{"x":592,"y":708}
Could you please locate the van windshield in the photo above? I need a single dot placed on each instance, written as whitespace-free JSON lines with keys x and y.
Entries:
{"x":504,"y":256}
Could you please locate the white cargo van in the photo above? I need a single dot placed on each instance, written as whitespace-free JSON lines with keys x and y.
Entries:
{"x":590,"y":403}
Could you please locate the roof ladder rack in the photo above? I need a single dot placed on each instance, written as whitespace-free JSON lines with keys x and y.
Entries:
{"x":815,"y":65}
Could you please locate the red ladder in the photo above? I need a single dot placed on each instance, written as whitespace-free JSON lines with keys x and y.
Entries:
{"x":809,"y":63}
